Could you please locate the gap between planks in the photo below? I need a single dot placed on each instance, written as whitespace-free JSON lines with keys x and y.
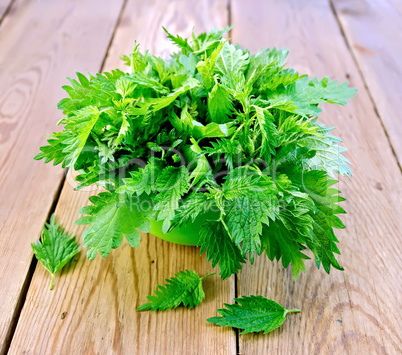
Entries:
{"x":28,"y":279}
{"x":367,"y":88}
{"x":5,"y":11}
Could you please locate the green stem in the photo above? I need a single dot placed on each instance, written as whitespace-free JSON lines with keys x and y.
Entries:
{"x":51,"y":282}
{"x":204,"y":277}
{"x":237,"y":131}
{"x":292,"y":311}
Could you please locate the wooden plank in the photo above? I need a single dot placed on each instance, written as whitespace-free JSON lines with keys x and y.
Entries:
{"x":355,"y":311}
{"x":373,"y":30}
{"x":40,"y":42}
{"x":93,"y":306}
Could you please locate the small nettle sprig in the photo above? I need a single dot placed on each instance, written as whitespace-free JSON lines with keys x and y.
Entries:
{"x":213,"y":128}
{"x":55,"y":248}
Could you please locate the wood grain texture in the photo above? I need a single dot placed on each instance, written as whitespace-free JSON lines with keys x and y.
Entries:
{"x":4,"y":5}
{"x":93,"y":306}
{"x":373,"y":30}
{"x":356,"y":311}
{"x":143,"y":21}
{"x":40,"y":41}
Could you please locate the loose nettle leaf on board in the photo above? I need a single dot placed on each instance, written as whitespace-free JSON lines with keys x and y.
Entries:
{"x":253,"y":314}
{"x":184,"y":288}
{"x":55,"y":248}
{"x":212,"y":128}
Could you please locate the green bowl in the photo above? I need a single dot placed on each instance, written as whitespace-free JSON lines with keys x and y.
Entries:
{"x":186,"y":235}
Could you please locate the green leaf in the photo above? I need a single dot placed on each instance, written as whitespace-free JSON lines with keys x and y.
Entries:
{"x":179,"y":41}
{"x":145,"y":81}
{"x":124,"y":87}
{"x":253,"y":314}
{"x":171,"y":184}
{"x":282,"y":243}
{"x":211,"y":130}
{"x":123,"y":130}
{"x":231,"y":60}
{"x":250,"y":202}
{"x":323,"y":212}
{"x":55,"y":248}
{"x":207,"y":42}
{"x":268,"y":132}
{"x":219,"y":104}
{"x":159,"y":103}
{"x":328,"y":156}
{"x":184,"y":288}
{"x":206,"y":66}
{"x":303,"y":96}
{"x":144,"y":179}
{"x":285,"y":237}
{"x":109,"y":221}
{"x":195,"y":205}
{"x":231,"y":151}
{"x":202,"y":168}
{"x":219,"y":247}
{"x":55,"y":150}
{"x":83,"y":121}
{"x":284,"y":77}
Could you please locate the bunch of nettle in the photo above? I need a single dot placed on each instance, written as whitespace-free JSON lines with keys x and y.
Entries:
{"x":214,"y":147}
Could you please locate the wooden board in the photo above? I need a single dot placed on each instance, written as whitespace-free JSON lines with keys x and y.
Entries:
{"x":356,"y":311}
{"x":93,"y":306}
{"x":4,"y":5}
{"x":373,"y":30}
{"x":41,"y":42}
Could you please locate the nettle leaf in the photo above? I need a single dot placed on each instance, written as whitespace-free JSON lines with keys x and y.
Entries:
{"x":109,"y":221}
{"x":124,"y":87}
{"x":286,"y":237}
{"x":55,"y":150}
{"x":55,"y":248}
{"x":268,"y":132}
{"x":143,"y":180}
{"x":220,"y":248}
{"x":159,"y":103}
{"x":202,"y":169}
{"x":125,"y":125}
{"x":171,"y":184}
{"x":139,"y":78}
{"x":206,"y":67}
{"x":328,"y":153}
{"x":230,"y":150}
{"x":284,"y":77}
{"x":181,"y":42}
{"x":253,"y":314}
{"x":323,"y":212}
{"x":184,"y":288}
{"x":211,"y":130}
{"x":195,"y":205}
{"x":219,"y":104}
{"x":231,"y":60}
{"x":284,"y":244}
{"x":250,"y":203}
{"x":83,"y":121}
{"x":303,"y":96}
